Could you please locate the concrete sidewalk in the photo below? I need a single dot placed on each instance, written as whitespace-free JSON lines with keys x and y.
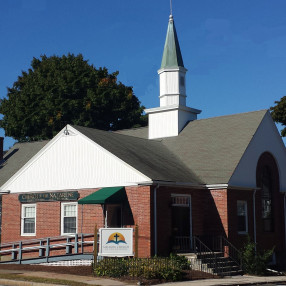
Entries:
{"x":235,"y":280}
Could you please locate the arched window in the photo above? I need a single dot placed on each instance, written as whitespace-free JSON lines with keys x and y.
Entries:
{"x":267,"y":178}
{"x":266,"y":197}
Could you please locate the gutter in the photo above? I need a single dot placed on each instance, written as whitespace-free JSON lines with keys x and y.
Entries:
{"x":171,"y":183}
{"x":195,"y":185}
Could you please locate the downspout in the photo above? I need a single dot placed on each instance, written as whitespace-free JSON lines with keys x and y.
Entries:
{"x":155,"y":219}
{"x":81,"y":217}
{"x":254,"y":218}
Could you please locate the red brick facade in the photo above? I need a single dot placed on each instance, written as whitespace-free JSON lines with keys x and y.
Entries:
{"x":48,"y":217}
{"x":213,"y":212}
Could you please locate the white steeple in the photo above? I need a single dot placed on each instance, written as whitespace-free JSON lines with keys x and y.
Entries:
{"x":173,"y":114}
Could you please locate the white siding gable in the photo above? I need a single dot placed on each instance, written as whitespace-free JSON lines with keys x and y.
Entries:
{"x":266,"y":139}
{"x":73,"y":162}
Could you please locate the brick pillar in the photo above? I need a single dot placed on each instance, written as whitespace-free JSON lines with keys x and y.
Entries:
{"x":220,"y":200}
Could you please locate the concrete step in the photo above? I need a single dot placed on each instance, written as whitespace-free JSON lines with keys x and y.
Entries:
{"x":218,"y":264}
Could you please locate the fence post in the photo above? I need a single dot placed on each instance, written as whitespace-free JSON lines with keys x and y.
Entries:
{"x":68,"y":247}
{"x":136,"y":241}
{"x":82,"y":242}
{"x":76,"y":243}
{"x":20,"y":252}
{"x":14,"y":252}
{"x":48,"y":249}
{"x":95,"y":245}
{"x":41,"y":249}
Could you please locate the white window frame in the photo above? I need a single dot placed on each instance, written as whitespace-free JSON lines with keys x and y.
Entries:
{"x":62,"y":218}
{"x":23,"y":218}
{"x":246,"y":216}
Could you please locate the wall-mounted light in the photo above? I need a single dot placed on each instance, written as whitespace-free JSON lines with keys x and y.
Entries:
{"x":66,"y":132}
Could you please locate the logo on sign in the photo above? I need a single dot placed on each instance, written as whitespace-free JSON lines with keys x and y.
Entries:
{"x":116,"y":238}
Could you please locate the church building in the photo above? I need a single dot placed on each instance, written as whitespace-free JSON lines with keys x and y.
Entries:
{"x":178,"y":179}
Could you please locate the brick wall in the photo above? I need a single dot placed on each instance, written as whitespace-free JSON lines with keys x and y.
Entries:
{"x":233,"y":196}
{"x":219,"y":212}
{"x":139,"y":199}
{"x":213,"y":213}
{"x":48,"y":217}
{"x":205,"y":218}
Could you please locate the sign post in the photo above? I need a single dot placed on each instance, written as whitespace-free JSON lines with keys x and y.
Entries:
{"x":95,"y":246}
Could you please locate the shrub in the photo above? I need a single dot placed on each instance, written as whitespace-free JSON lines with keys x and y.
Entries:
{"x":255,"y":261}
{"x":180,"y":261}
{"x":112,"y":267}
{"x":148,"y":268}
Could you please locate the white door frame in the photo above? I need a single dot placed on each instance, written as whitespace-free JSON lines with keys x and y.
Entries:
{"x":189,"y":204}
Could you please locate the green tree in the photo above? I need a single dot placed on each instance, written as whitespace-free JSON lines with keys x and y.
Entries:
{"x":57,"y":91}
{"x":278,"y":113}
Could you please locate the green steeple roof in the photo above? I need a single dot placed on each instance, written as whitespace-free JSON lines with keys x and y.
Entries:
{"x":172,"y":56}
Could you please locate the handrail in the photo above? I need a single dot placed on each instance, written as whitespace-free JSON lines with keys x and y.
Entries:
{"x":221,"y":244}
{"x":35,"y":240}
{"x":202,"y":249}
{"x":45,"y":245}
{"x":232,"y":252}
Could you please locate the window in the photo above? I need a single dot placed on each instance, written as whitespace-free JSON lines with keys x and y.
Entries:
{"x":69,"y":218}
{"x":267,"y":213}
{"x":28,"y":221}
{"x":182,"y":81}
{"x":242,"y":225}
{"x":267,"y":179}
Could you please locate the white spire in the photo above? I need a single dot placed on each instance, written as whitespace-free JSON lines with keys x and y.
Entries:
{"x":173,"y":114}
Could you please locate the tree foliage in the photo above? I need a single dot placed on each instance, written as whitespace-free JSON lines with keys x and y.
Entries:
{"x":278,"y":113}
{"x":57,"y":91}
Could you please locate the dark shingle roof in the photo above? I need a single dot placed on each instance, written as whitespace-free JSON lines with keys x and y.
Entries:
{"x":17,"y":156}
{"x":141,"y":132}
{"x":212,"y":148}
{"x":150,"y":157}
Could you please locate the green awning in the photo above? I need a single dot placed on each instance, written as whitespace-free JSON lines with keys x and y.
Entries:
{"x":111,"y":195}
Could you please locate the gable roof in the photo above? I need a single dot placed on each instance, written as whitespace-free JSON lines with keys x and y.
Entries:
{"x":207,"y":151}
{"x":17,"y":156}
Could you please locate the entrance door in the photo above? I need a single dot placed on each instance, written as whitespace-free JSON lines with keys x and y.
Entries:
{"x":113,"y":215}
{"x":181,"y":223}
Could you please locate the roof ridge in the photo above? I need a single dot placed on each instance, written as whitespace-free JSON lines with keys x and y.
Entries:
{"x":119,"y":134}
{"x":228,"y":115}
{"x":132,"y":128}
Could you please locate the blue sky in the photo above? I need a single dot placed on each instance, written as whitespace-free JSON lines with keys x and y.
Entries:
{"x":234,"y":50}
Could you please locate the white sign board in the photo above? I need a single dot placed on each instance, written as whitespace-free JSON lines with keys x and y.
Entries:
{"x":116,"y":242}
